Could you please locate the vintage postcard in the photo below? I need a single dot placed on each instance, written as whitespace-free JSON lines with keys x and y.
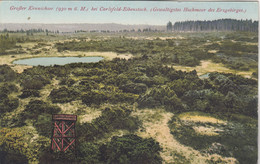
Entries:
{"x":128,"y":82}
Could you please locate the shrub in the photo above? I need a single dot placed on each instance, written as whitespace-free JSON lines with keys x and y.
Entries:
{"x":8,"y":88}
{"x":7,"y":74}
{"x":111,"y":119}
{"x":12,"y":157}
{"x":35,"y":82}
{"x":44,"y":125}
{"x":8,"y":104}
{"x":63,"y":95}
{"x":136,"y":88}
{"x":29,"y":93}
{"x":109,"y":94}
{"x":160,"y":96}
{"x":180,"y":86}
{"x":92,"y":97}
{"x":14,"y":142}
{"x":89,"y":153}
{"x":205,"y":100}
{"x":36,"y":107}
{"x":131,"y":149}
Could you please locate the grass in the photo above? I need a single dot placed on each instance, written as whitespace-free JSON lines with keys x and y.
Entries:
{"x":200,"y":117}
{"x":149,"y":115}
{"x":208,"y":66}
{"x":197,"y":116}
{"x":90,"y":115}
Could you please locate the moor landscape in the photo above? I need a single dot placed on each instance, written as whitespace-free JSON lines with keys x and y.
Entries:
{"x":185,"y":94}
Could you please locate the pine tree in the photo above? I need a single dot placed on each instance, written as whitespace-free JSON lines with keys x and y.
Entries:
{"x":169,"y":26}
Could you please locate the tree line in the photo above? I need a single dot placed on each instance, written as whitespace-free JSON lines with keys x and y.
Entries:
{"x":215,"y":25}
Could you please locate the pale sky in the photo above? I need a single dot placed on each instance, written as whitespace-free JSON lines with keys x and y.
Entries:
{"x":250,"y":11}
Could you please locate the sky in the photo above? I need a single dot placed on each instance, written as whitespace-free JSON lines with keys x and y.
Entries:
{"x":247,"y":10}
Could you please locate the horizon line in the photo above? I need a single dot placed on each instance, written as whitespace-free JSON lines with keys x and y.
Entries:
{"x":125,"y":24}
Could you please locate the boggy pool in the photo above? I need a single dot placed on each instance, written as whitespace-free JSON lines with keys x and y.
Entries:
{"x":49,"y":61}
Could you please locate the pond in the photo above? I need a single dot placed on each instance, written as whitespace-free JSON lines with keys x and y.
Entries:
{"x":48,"y":61}
{"x":204,"y":76}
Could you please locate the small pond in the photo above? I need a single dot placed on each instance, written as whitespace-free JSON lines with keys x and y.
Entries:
{"x":204,"y":76}
{"x":48,"y":61}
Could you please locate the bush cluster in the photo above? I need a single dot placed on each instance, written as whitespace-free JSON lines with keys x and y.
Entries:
{"x":111,"y":119}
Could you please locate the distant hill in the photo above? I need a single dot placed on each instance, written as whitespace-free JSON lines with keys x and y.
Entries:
{"x":217,"y":25}
{"x":76,"y":27}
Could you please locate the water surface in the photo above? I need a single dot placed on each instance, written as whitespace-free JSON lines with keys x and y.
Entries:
{"x":204,"y":76}
{"x":48,"y":61}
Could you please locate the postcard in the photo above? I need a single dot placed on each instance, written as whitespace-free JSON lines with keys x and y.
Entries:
{"x":131,"y":82}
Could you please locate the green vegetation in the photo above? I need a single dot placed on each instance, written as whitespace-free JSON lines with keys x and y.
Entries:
{"x":185,"y":53}
{"x":232,"y":139}
{"x":36,"y":107}
{"x":6,"y":43}
{"x":7,"y":74}
{"x":125,"y":149}
{"x":7,"y":102}
{"x":217,"y":25}
{"x":112,"y":94}
{"x":35,"y":79}
{"x":62,"y":95}
{"x":110,"y":120}
{"x":131,"y":149}
{"x":15,"y":146}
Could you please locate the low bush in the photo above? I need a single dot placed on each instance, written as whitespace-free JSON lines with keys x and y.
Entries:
{"x":160,"y":96}
{"x":29,"y":93}
{"x":89,"y":153}
{"x":35,"y":82}
{"x":8,"y":88}
{"x":110,"y":120}
{"x":7,"y":74}
{"x":44,"y":125}
{"x":63,"y":95}
{"x":37,"y":107}
{"x":107,"y":94}
{"x":7,"y":104}
{"x":131,"y":149}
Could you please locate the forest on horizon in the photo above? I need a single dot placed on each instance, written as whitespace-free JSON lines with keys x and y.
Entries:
{"x":215,"y":25}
